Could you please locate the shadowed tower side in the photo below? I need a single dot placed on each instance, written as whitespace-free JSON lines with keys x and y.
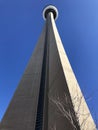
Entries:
{"x":48,"y":96}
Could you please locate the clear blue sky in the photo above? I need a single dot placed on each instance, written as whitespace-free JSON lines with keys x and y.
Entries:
{"x":21,"y":23}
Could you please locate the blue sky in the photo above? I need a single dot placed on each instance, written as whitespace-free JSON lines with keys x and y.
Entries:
{"x":21,"y":23}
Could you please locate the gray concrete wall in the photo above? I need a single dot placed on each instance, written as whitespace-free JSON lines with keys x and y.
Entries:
{"x":59,"y":98}
{"x":21,"y":113}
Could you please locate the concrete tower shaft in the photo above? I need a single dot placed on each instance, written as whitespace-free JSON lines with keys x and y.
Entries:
{"x":48,"y":96}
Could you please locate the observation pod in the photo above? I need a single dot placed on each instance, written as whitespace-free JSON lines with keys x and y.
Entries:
{"x":51,"y":9}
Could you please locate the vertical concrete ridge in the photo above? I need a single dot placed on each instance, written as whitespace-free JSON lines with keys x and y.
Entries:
{"x":81,"y":109}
